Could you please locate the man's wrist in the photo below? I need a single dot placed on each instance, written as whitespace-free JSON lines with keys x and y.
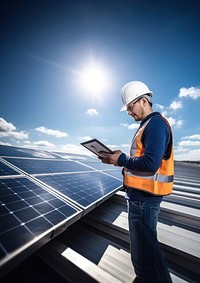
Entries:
{"x":122,"y":159}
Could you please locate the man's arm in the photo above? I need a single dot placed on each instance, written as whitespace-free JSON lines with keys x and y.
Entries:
{"x":155,"y":139}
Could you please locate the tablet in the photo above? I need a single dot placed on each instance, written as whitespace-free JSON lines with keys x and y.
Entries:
{"x":96,"y":147}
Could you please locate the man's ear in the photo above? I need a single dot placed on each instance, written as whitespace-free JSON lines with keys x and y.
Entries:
{"x":144,"y":101}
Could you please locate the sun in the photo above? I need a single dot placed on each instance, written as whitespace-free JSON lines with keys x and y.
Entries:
{"x":94,"y":79}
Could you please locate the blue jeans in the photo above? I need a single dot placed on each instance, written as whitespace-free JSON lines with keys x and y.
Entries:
{"x":146,"y":254}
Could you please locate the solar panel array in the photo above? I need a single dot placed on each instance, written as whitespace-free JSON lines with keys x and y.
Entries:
{"x":42,"y":193}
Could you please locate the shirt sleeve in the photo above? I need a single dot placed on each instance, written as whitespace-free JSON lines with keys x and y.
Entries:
{"x":155,"y":139}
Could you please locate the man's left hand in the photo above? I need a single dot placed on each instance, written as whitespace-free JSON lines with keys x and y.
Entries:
{"x":110,"y":158}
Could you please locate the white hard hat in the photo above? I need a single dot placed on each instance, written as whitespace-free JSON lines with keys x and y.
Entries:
{"x":134,"y":90}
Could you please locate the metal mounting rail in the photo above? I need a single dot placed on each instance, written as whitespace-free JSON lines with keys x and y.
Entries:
{"x":72,"y":266}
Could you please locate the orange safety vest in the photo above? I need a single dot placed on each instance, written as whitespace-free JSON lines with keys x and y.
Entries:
{"x":157,"y":183}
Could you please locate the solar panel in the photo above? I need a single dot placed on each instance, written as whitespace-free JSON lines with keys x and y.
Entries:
{"x":90,"y":161}
{"x":25,"y":152}
{"x":85,"y":189}
{"x":28,"y":213}
{"x":115,"y":173}
{"x":77,"y":157}
{"x":5,"y":170}
{"x":98,"y":165}
{"x":55,"y":190}
{"x":42,"y":166}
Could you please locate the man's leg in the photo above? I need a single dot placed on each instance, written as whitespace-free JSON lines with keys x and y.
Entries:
{"x":146,"y":253}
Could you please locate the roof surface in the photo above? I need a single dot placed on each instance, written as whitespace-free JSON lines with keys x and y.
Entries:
{"x":92,"y":245}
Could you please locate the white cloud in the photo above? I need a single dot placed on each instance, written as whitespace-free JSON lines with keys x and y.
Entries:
{"x":85,"y":138}
{"x":179,"y":123}
{"x":92,"y":112}
{"x":55,"y":133}
{"x":133,"y":126}
{"x":27,"y":142}
{"x":125,"y":145}
{"x":113,"y":146}
{"x":195,"y":137}
{"x":192,"y":92}
{"x":195,"y":151}
{"x":192,"y":155}
{"x":176,"y":105}
{"x":181,"y":149}
{"x":188,"y":149}
{"x":5,"y":126}
{"x":159,"y":106}
{"x":44,"y":144}
{"x":124,"y":124}
{"x":130,"y":126}
{"x":5,"y":143}
{"x":164,"y":114}
{"x":172,"y":121}
{"x":9,"y":130}
{"x":71,"y":148}
{"x":19,"y":135}
{"x":189,"y":143}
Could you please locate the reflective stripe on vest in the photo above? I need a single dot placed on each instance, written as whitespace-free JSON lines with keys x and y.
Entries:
{"x":158,"y":183}
{"x":156,"y":177}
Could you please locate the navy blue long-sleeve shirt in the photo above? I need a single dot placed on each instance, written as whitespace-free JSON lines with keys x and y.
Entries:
{"x":156,"y":140}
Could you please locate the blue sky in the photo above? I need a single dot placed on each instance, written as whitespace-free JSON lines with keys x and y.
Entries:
{"x":48,"y":47}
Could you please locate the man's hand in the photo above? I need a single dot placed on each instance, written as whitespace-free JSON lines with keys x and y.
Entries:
{"x":110,"y":158}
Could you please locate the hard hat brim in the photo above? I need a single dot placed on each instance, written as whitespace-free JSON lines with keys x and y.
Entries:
{"x":148,"y":96}
{"x":123,"y":108}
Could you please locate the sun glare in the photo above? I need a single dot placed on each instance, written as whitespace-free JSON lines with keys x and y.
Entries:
{"x":94,"y":79}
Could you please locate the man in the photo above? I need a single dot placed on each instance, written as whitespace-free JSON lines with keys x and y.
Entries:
{"x":148,"y":176}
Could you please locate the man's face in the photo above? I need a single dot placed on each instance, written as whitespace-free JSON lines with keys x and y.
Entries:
{"x":136,"y":110}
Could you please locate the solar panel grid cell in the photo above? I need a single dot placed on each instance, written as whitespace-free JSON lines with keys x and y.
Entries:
{"x":26,"y":212}
{"x":6,"y":170}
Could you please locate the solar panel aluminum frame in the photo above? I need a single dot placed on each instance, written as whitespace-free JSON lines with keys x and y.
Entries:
{"x":14,"y":258}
